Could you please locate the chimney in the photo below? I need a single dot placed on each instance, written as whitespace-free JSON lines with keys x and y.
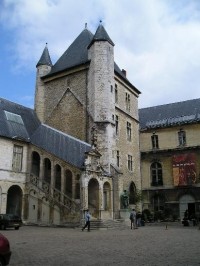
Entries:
{"x":124,"y":72}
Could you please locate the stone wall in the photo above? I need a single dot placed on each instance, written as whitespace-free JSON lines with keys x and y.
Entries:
{"x":65,"y":104}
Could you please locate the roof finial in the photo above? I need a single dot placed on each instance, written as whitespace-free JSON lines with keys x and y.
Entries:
{"x":85,"y":25}
{"x":100,"y":21}
{"x":46,"y":44}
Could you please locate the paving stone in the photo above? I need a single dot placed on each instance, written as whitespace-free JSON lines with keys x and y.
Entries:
{"x":149,"y":245}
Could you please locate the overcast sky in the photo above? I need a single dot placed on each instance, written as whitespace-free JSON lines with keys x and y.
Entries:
{"x":156,"y":41}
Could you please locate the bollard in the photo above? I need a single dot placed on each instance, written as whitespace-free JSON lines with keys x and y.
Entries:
{"x":166,"y":227}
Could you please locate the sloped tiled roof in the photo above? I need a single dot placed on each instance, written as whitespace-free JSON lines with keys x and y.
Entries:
{"x":76,"y":54}
{"x":12,"y":129}
{"x":61,"y":145}
{"x":173,"y":114}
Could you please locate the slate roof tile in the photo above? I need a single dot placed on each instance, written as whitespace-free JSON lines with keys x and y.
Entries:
{"x":172,"y":114}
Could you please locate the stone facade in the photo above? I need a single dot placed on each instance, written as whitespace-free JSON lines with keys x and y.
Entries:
{"x":83,"y":99}
{"x":91,"y":101}
{"x":12,"y":182}
{"x":171,"y":197}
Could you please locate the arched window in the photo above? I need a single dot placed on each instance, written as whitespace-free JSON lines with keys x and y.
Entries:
{"x":58,"y":177}
{"x":156,"y":174}
{"x":68,"y":183}
{"x":47,"y":170}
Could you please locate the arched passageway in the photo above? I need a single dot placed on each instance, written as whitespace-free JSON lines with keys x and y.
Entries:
{"x":14,"y":200}
{"x":93,"y":197}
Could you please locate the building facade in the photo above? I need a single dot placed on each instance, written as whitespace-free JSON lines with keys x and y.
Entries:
{"x":79,"y":147}
{"x":170,"y":159}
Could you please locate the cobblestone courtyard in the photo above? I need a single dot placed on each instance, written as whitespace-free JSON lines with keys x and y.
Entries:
{"x":149,"y":245}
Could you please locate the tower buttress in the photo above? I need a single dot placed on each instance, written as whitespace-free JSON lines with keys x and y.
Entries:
{"x":100,"y":93}
{"x":43,"y":68}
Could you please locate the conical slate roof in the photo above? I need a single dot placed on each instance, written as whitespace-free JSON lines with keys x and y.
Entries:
{"x":45,"y":58}
{"x":101,"y":35}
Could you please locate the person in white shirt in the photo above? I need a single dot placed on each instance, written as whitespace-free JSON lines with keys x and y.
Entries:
{"x":87,"y":221}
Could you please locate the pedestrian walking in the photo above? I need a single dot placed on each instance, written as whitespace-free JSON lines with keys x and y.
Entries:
{"x":133,"y":219}
{"x":87,"y":221}
{"x":138,"y":218}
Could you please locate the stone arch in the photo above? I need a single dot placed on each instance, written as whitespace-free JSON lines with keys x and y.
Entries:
{"x":47,"y":170}
{"x":58,"y":177}
{"x":93,"y":197}
{"x":35,"y":163}
{"x":68,"y":183}
{"x":14,"y":200}
{"x":132,"y":193}
{"x":106,"y":196}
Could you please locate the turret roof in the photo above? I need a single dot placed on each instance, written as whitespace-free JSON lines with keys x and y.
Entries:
{"x":101,"y":35}
{"x":45,"y":58}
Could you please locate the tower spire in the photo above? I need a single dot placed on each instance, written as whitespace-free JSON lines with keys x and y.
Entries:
{"x":45,"y":58}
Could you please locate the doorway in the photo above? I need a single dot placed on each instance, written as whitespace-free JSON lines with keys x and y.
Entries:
{"x":191,"y":210}
{"x":186,"y":202}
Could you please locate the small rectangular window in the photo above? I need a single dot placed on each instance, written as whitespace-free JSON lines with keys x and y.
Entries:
{"x":17,"y":158}
{"x":118,"y":158}
{"x":154,"y":141}
{"x":128,"y":129}
{"x":116,"y":94}
{"x":182,"y":138}
{"x":116,"y":124}
{"x":130,"y":163}
{"x":128,"y":102}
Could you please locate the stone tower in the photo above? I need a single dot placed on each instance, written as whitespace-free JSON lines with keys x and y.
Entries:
{"x":100,"y":92}
{"x":43,"y":68}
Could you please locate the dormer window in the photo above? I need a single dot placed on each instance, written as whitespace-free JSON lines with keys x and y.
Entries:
{"x":14,"y":118}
